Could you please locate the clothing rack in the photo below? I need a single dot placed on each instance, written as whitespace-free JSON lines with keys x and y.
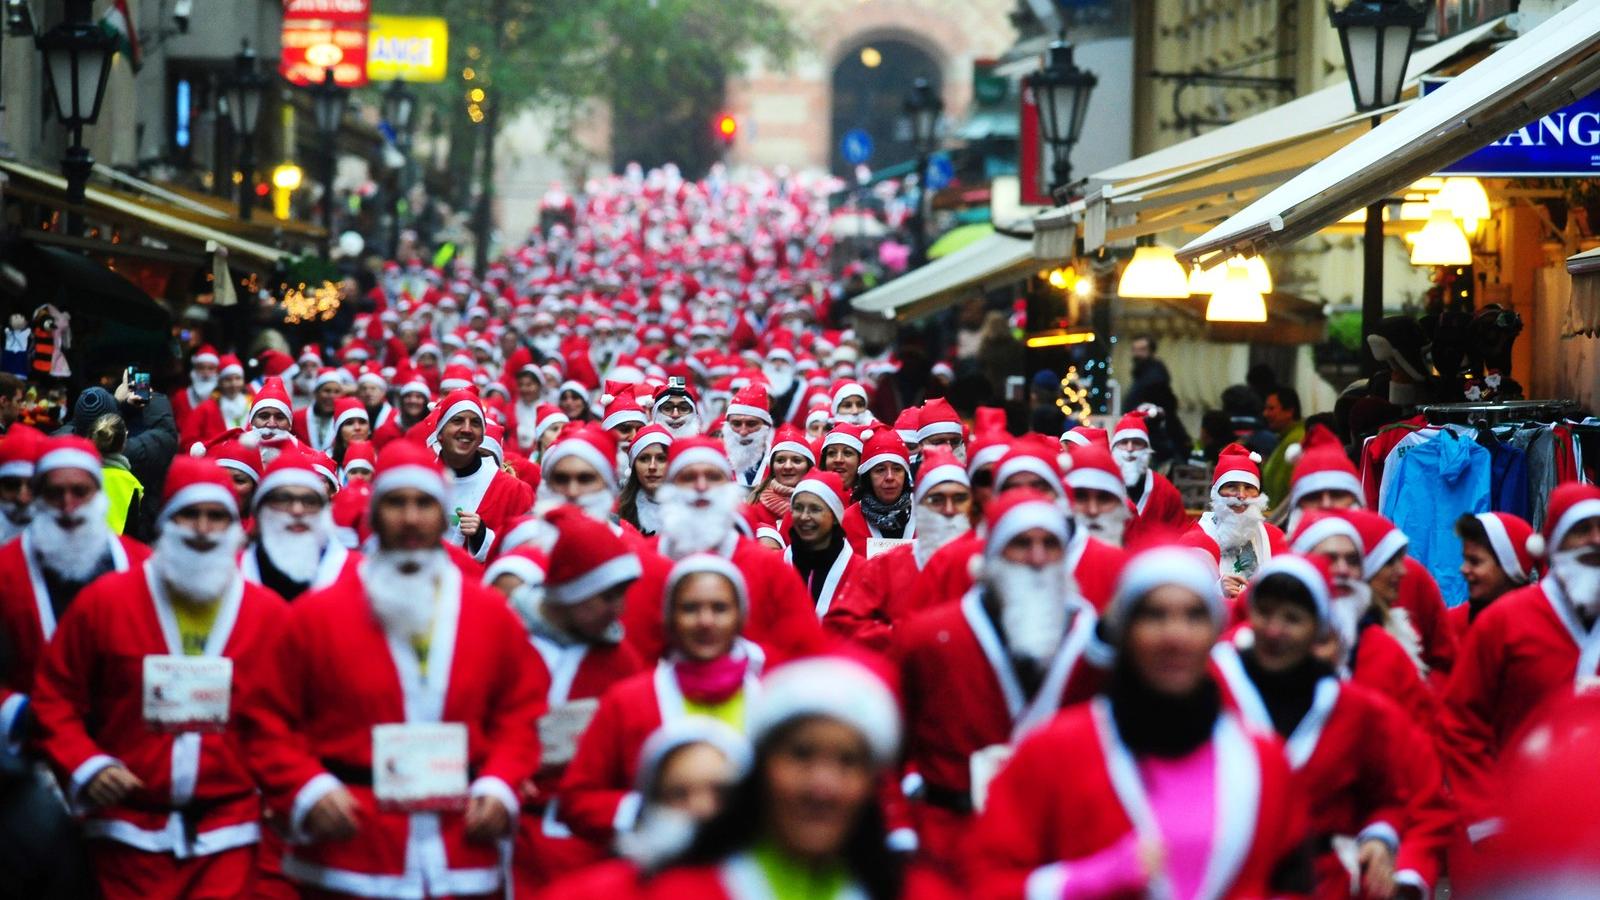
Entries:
{"x":1496,"y":413}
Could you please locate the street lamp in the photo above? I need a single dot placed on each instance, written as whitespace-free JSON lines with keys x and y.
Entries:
{"x":1377,"y":37}
{"x":399,"y":107}
{"x":77,"y":61}
{"x":327,"y":106}
{"x":245,"y":92}
{"x":922,"y":108}
{"x":1061,"y":93}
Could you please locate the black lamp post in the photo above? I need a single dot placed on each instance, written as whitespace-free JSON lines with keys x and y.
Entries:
{"x":1377,"y":37}
{"x":399,"y":108}
{"x":77,"y":61}
{"x":922,"y":107}
{"x":245,"y":91}
{"x":1061,"y":93}
{"x":327,"y":104}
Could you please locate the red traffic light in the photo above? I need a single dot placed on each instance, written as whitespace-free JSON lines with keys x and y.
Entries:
{"x":727,"y":127}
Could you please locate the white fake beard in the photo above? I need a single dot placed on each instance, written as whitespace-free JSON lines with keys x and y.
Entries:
{"x":60,"y":547}
{"x":779,"y":379}
{"x":688,"y":426}
{"x":296,"y":554}
{"x":662,"y":833}
{"x":1236,"y":529}
{"x":746,"y":452}
{"x":304,"y":385}
{"x":548,"y":344}
{"x":14,"y":518}
{"x":199,"y":575}
{"x":649,"y":512}
{"x":403,"y":601}
{"x":596,"y":504}
{"x":236,"y":409}
{"x":1347,"y":609}
{"x":934,"y":530}
{"x":861,"y":418}
{"x":1134,"y":464}
{"x":1033,"y":605}
{"x":1108,"y":527}
{"x":203,"y":386}
{"x":1580,"y":580}
{"x":687,"y":529}
{"x":525,"y":602}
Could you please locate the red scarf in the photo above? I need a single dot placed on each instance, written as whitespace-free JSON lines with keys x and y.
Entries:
{"x":709,"y":682}
{"x":775,"y":497}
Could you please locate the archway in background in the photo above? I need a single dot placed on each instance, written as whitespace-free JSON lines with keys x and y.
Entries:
{"x":871,"y":97}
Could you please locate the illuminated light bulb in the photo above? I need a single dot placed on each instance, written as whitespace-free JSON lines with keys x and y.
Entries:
{"x":1154,"y":273}
{"x":1441,"y":242}
{"x":1236,"y":298}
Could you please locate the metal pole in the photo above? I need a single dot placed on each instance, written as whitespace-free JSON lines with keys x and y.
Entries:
{"x":919,"y":223}
{"x":247,"y":171}
{"x":1371,"y":278}
{"x":76,"y":165}
{"x":329,"y":163}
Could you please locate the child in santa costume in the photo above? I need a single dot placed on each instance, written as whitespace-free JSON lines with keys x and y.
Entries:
{"x":400,"y":711}
{"x":1156,"y":787}
{"x":139,"y":702}
{"x":979,"y":675}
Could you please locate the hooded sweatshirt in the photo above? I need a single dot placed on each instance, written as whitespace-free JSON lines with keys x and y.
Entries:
{"x":1433,"y":486}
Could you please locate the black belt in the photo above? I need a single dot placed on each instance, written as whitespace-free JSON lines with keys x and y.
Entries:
{"x":950,"y":799}
{"x":361,"y":775}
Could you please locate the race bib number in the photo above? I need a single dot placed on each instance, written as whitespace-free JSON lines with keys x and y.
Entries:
{"x":983,"y":766}
{"x":560,"y":728}
{"x":420,"y":767}
{"x":880,"y":546}
{"x":187,"y":693}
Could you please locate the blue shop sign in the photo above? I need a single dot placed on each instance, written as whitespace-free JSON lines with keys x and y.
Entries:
{"x":1563,"y":143}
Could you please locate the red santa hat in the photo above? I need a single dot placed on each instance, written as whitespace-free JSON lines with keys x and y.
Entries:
{"x":820,"y":414}
{"x":590,"y":443}
{"x":526,"y":561}
{"x":1017,"y":511}
{"x":229,"y":364}
{"x":1318,"y":525}
{"x":455,"y":378}
{"x":19,"y":451}
{"x":547,"y":415}
{"x":325,"y":376}
{"x":906,"y":423}
{"x":825,"y":486}
{"x":347,"y":409}
{"x":751,"y":400}
{"x":372,"y":375}
{"x":988,"y":448}
{"x":1312,"y":573}
{"x":622,"y":409}
{"x":707,"y":564}
{"x":1380,"y":539}
{"x":1164,"y":565}
{"x":1236,"y":464}
{"x":309,"y":355}
{"x":272,"y":395}
{"x":884,"y":447}
{"x":192,"y":480}
{"x":1321,"y":465}
{"x":648,"y":436}
{"x":846,"y":434}
{"x":843,"y":390}
{"x":1569,"y":504}
{"x":276,"y":363}
{"x":838,"y":687}
{"x":1094,"y":469}
{"x":291,"y":468}
{"x":406,"y":464}
{"x":416,"y":386}
{"x":360,"y":456}
{"x":587,"y":559}
{"x":697,"y":450}
{"x":454,"y":404}
{"x":1511,"y":539}
{"x":68,"y":451}
{"x":789,"y":439}
{"x":939,"y":417}
{"x":939,"y":466}
{"x":1131,"y":427}
{"x":207,"y":354}
{"x":1029,"y":455}
{"x":678,"y":733}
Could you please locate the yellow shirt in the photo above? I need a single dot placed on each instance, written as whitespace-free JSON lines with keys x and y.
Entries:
{"x":421,"y":643}
{"x":729,"y":712}
{"x":195,"y":621}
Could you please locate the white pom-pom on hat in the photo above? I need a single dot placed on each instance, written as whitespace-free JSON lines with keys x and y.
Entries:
{"x":1291,"y":454}
{"x":198,"y":448}
{"x":250,"y":439}
{"x":1256,"y":457}
{"x":605,"y":399}
{"x":1535,"y":545}
{"x":975,"y":566}
{"x":866,"y":434}
{"x":1064,"y":462}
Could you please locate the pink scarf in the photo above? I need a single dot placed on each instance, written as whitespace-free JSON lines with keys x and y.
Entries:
{"x":776,"y":499}
{"x":709,"y":682}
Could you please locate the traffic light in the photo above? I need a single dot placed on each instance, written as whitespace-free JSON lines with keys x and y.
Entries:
{"x":727,"y":128}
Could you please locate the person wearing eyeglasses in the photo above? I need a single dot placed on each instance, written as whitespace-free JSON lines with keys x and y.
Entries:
{"x":292,"y":550}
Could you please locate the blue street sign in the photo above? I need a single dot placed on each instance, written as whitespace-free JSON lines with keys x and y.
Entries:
{"x":1563,"y":143}
{"x":856,"y":146}
{"x":940,"y":171}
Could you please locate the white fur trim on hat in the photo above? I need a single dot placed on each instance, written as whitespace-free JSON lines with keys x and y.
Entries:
{"x":1093,"y":479}
{"x":270,"y":403}
{"x":293,"y":476}
{"x":1321,"y":530}
{"x":205,"y":358}
{"x":1235,"y":476}
{"x":1183,"y":566}
{"x":928,"y":479}
{"x":1390,"y":544}
{"x":327,"y":376}
{"x":347,"y":415}
{"x":1130,"y":434}
{"x":622,"y":417}
{"x":842,"y":439}
{"x":514,"y":564}
{"x":587,"y":452}
{"x":771,"y":532}
{"x":427,"y":480}
{"x":706,"y":564}
{"x":822,"y":492}
{"x":1577,"y":512}
{"x":1327,"y":480}
{"x":230,"y":369}
{"x":831,"y":687}
{"x":199,"y":492}
{"x":799,"y":448}
{"x":1303,"y":571}
{"x":988,"y":456}
{"x":640,"y":444}
{"x":372,"y":378}
{"x":232,"y":464}
{"x":699,"y":456}
{"x":1504,"y":552}
{"x":873,"y":460}
{"x":1074,"y":438}
{"x":847,"y":390}
{"x":1025,"y":517}
{"x":933,"y":428}
{"x":455,"y":409}
{"x":601,"y":578}
{"x":415,"y":387}
{"x":1033,"y":464}
{"x":540,"y":426}
{"x":68,"y":458}
{"x":754,"y":412}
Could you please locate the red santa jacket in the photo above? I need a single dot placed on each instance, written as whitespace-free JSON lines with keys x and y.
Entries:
{"x":948,"y":574}
{"x":740,"y":878}
{"x":1526,"y":650}
{"x":206,"y":421}
{"x":1419,"y":597}
{"x":184,"y":402}
{"x":28,"y":621}
{"x":1382,"y":665}
{"x":857,"y":529}
{"x":198,"y":796}
{"x":1354,"y":763}
{"x":300,"y":425}
{"x":336,"y":675}
{"x":597,"y":792}
{"x":844,"y":569}
{"x":960,"y":694}
{"x":865,"y":612}
{"x":781,"y":618}
{"x":1072,"y":789}
{"x":1160,"y":506}
{"x":496,"y":496}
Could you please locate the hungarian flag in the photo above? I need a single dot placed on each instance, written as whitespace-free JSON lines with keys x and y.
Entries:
{"x":118,"y":20}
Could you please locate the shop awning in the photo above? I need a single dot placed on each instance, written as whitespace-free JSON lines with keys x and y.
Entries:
{"x":74,"y":282}
{"x":1212,"y":176}
{"x":1541,"y":71}
{"x":984,"y":264}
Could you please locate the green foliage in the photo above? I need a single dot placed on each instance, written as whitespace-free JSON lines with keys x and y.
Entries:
{"x":1344,"y":329}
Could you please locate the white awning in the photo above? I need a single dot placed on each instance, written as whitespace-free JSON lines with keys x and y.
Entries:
{"x":982,"y":265}
{"x":1552,"y":65}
